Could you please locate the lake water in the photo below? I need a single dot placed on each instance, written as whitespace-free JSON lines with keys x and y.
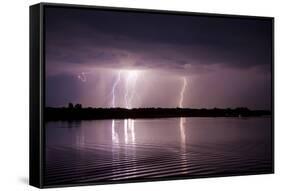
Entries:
{"x":102,"y":150}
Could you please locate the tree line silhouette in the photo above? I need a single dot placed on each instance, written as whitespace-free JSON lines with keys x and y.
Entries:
{"x":77,"y":112}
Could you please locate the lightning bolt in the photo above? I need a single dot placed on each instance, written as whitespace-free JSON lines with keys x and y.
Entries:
{"x":114,"y":88}
{"x":130,"y":88}
{"x":127,"y":92}
{"x":182,"y":92}
{"x":115,"y":136}
{"x":182,"y":119}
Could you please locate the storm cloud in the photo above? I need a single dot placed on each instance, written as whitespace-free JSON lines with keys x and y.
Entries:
{"x":208,"y":50}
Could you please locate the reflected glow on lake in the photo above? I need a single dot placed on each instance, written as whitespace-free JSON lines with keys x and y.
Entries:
{"x":100,"y":150}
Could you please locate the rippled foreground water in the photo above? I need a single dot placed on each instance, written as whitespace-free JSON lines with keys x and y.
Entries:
{"x":102,"y":150}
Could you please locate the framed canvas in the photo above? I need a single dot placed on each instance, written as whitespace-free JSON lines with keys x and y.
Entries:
{"x":122,"y":95}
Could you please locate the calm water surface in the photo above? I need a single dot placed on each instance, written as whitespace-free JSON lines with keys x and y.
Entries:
{"x":100,"y":150}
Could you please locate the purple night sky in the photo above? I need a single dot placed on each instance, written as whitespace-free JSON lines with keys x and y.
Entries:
{"x":125,"y":59}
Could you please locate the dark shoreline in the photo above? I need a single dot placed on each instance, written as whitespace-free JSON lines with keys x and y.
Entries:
{"x":71,"y":114}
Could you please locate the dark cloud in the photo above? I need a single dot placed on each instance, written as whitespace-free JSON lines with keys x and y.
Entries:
{"x":107,"y":38}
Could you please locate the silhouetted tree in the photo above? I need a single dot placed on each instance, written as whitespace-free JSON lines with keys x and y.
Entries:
{"x":70,"y":105}
{"x":78,"y":106}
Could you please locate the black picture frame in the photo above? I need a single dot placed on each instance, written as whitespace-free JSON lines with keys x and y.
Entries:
{"x":37,"y":88}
